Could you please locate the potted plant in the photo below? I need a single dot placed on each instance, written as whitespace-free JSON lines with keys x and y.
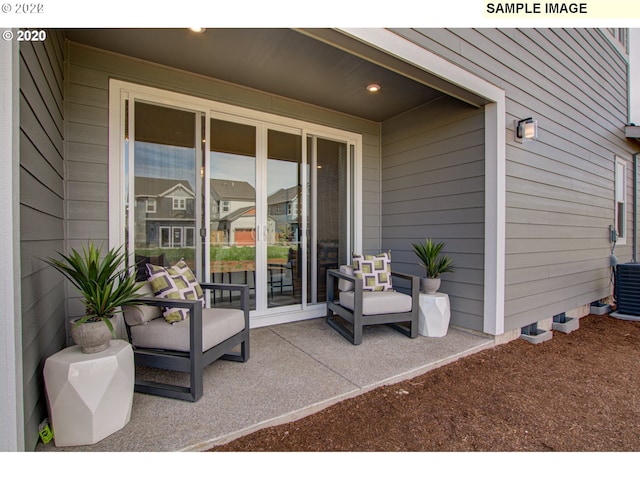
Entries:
{"x":106,"y":286}
{"x":433,"y":262}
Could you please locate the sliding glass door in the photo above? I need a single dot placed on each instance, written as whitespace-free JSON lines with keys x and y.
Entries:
{"x":163,"y":185}
{"x":232,"y":234}
{"x":242,"y":200}
{"x":284,"y":204}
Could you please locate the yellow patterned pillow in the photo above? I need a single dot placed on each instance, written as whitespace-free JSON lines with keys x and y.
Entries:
{"x":177,"y":282}
{"x":375,"y":271}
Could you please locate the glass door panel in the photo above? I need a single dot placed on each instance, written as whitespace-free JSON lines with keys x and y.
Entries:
{"x":165,"y":162}
{"x":329,"y":218}
{"x":232,"y":206}
{"x":284,"y":219}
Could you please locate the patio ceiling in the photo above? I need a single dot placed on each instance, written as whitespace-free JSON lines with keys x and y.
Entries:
{"x":283,"y":62}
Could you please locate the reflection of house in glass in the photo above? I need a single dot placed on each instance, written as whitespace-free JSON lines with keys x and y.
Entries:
{"x":164,"y":212}
{"x":233,"y":213}
{"x":283,"y":209}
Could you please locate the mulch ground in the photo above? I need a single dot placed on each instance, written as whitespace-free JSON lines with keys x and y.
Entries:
{"x":579,"y":392}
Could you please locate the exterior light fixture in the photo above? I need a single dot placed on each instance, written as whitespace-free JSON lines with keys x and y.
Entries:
{"x":373,"y":88}
{"x":526,"y":130}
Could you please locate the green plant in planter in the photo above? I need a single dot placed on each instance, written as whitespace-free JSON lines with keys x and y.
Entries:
{"x":430,"y":258}
{"x":105,"y":284}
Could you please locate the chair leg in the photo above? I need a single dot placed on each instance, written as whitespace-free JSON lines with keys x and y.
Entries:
{"x":354,"y":336}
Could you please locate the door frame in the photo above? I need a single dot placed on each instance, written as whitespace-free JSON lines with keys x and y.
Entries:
{"x":121,"y":91}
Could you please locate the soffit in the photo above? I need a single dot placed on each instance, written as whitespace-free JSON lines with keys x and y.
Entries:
{"x":283,"y":62}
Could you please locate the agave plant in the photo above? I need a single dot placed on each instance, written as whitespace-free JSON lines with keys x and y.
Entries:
{"x":106,"y":286}
{"x":429,"y":254}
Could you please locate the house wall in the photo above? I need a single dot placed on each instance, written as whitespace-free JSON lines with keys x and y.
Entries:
{"x":41,"y":217}
{"x":433,"y":187}
{"x":559,"y":189}
{"x":87,"y":83}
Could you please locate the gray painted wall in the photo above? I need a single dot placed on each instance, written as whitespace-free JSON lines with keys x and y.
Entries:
{"x":433,"y":187}
{"x":41,"y":217}
{"x":560,"y":189}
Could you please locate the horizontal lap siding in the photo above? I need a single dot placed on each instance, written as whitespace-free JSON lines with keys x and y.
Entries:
{"x":41,"y":218}
{"x":433,"y":186}
{"x":560,"y":189}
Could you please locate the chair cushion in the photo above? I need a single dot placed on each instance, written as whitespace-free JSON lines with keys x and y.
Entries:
{"x":378,"y":303}
{"x":375,"y":271}
{"x":218,"y":324}
{"x":141,"y":314}
{"x":177,"y":282}
{"x":345,"y":285}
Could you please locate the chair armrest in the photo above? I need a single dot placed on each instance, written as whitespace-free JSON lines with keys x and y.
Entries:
{"x":339,"y":274}
{"x":166,"y":302}
{"x":415,"y":287}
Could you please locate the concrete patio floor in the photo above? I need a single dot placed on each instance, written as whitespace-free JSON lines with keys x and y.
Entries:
{"x":295,"y":369}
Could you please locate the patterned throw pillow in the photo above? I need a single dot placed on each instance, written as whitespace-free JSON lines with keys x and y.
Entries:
{"x":177,"y":282}
{"x":375,"y":270}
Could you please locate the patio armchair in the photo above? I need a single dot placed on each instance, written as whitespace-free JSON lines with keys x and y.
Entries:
{"x":358,"y":307}
{"x":188,"y":346}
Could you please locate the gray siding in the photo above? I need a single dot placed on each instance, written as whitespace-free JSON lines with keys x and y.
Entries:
{"x":433,"y":187}
{"x":41,"y":217}
{"x":560,"y":191}
{"x":87,"y":133}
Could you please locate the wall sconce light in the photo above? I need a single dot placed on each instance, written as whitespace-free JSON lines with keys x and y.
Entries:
{"x":526,"y":130}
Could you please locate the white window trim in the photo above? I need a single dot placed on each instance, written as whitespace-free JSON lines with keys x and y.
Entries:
{"x":151,"y":206}
{"x":178,"y":203}
{"x":620,"y":196}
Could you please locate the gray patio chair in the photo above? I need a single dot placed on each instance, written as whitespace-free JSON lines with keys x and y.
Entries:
{"x":360,"y":308}
{"x":188,"y":346}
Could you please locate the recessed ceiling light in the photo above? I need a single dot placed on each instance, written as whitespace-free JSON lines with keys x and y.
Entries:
{"x":373,"y":88}
{"x":197,"y":29}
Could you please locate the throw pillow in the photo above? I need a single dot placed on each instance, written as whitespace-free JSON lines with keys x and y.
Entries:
{"x":176,"y":283}
{"x":375,"y":270}
{"x":183,"y":269}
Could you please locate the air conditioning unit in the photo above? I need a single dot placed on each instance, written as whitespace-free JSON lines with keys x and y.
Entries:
{"x":628,"y":288}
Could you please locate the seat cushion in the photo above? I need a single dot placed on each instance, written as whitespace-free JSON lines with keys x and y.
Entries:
{"x":177,"y":282}
{"x":375,"y":271}
{"x":378,"y":303}
{"x":218,"y":324}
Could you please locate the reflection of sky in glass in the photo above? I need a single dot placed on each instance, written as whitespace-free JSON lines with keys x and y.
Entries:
{"x":165,"y":161}
{"x":227,"y":166}
{"x":169,"y":161}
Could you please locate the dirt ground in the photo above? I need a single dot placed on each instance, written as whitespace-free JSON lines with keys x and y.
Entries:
{"x":579,"y":392}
